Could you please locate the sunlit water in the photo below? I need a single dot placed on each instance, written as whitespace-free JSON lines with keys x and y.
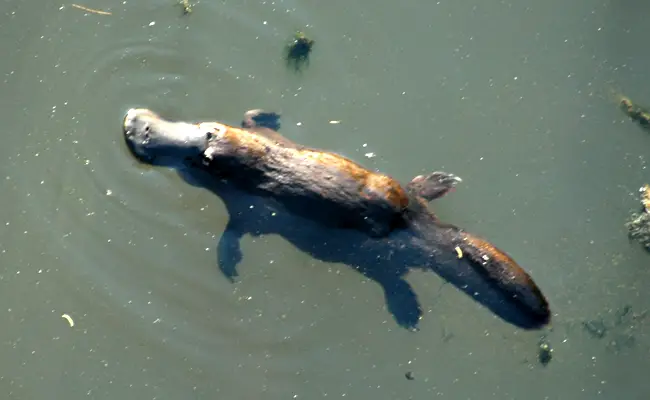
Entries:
{"x":519,"y":99}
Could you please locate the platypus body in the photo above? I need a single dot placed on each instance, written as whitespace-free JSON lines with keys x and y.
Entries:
{"x":363,"y":218}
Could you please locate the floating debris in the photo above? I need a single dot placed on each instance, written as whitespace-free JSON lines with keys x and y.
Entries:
{"x":544,"y":352}
{"x":90,"y":10}
{"x":639,"y":224}
{"x":187,"y":7}
{"x":596,"y":328}
{"x":618,"y":330}
{"x":459,"y":252}
{"x":638,"y":114}
{"x":645,"y":197}
{"x":297,"y":52}
{"x":69,"y":319}
{"x":409,"y":376}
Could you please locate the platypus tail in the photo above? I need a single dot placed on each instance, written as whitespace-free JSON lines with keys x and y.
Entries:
{"x":501,"y":270}
{"x":494,"y":265}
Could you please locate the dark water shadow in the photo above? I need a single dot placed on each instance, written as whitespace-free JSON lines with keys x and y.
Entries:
{"x":385,"y":261}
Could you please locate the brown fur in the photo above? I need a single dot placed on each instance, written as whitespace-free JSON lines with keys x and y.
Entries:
{"x":371,"y":185}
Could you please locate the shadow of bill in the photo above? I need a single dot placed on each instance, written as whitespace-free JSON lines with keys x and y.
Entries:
{"x":386,"y":261}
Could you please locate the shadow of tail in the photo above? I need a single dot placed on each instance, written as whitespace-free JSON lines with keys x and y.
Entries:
{"x":502,"y":271}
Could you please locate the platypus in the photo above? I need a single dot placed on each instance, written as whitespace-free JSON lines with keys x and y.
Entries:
{"x":338,"y":194}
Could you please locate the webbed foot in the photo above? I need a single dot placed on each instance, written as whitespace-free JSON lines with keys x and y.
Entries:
{"x":403,"y":304}
{"x":229,"y":253}
{"x":434,"y":185}
{"x":261,"y":119}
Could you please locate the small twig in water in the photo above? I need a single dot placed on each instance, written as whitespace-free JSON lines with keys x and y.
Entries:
{"x":90,"y":10}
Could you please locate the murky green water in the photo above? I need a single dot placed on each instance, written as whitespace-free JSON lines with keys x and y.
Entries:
{"x":516,"y":98}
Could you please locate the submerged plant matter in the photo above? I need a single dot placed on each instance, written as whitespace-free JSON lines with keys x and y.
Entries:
{"x":187,"y":7}
{"x":639,"y":224}
{"x":544,"y":352}
{"x":638,"y":114}
{"x":298,"y":50}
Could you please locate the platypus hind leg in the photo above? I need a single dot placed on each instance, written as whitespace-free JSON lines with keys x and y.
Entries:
{"x":433,"y":186}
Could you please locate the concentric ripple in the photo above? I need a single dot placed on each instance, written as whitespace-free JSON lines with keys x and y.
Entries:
{"x":129,"y":251}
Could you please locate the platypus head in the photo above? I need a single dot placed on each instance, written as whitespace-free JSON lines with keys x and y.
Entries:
{"x":154,"y":140}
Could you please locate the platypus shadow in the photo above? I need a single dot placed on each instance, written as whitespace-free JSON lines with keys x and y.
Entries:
{"x":384,"y":260}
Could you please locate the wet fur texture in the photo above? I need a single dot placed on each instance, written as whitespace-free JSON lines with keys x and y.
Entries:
{"x":338,"y":211}
{"x":312,"y":183}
